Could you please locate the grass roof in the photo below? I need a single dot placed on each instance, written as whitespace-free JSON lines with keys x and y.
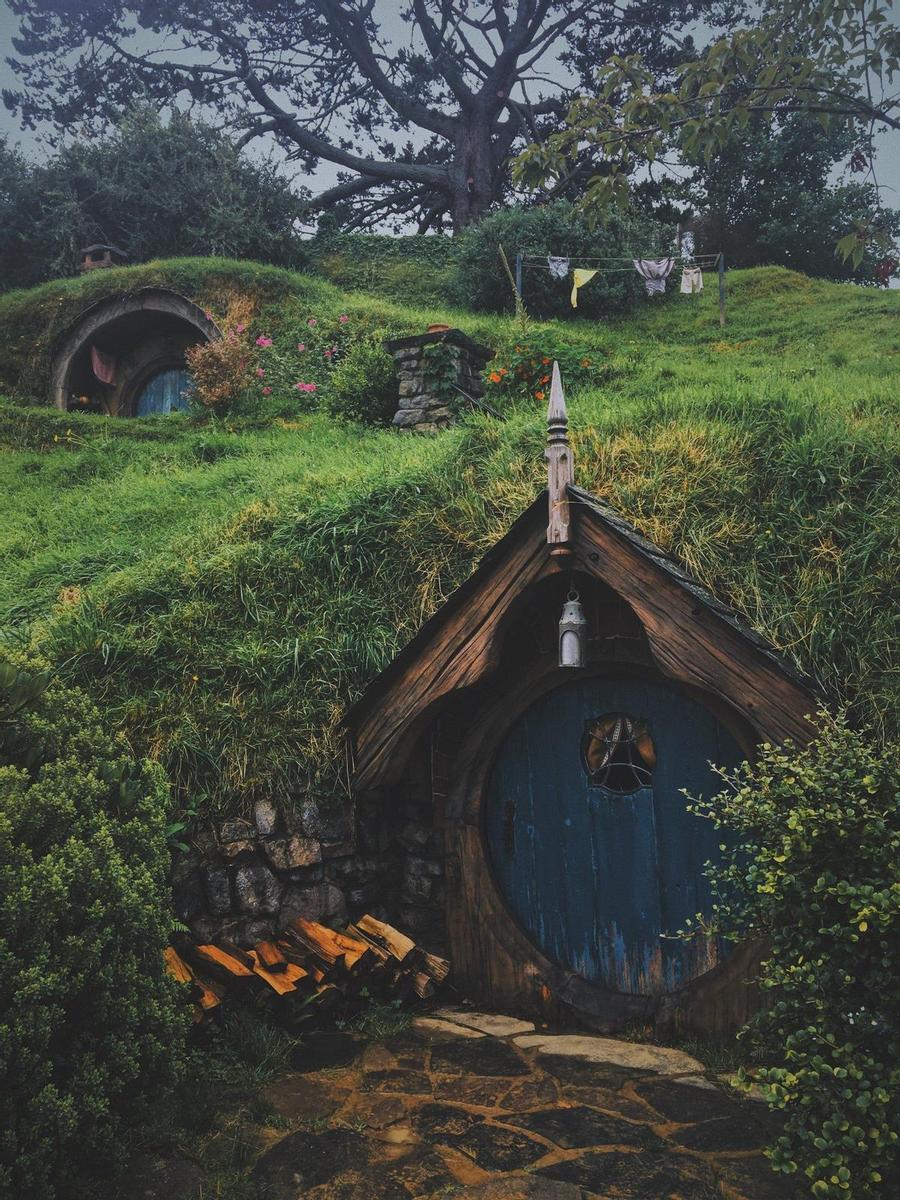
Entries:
{"x":227,"y":592}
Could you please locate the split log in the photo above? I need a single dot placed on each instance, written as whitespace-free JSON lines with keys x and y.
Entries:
{"x":270,"y":956}
{"x":220,"y":964}
{"x":176,"y":966}
{"x":322,"y":965}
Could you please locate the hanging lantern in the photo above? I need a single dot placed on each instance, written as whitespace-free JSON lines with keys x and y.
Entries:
{"x":572,"y":632}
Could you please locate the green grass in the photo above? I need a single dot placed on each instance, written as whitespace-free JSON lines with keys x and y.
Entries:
{"x":226,"y":594}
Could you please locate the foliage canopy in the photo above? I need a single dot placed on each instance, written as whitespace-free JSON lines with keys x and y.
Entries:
{"x":421,"y":110}
{"x":835,"y":62}
{"x":154,"y":189}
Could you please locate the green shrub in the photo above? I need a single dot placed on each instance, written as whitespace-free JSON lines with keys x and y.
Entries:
{"x":480,"y":282}
{"x":816,"y":871}
{"x":413,"y":269}
{"x":92,"y":1030}
{"x":362,"y":387}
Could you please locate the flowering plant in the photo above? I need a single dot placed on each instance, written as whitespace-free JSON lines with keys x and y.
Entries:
{"x":525,"y":369}
{"x":224,"y":371}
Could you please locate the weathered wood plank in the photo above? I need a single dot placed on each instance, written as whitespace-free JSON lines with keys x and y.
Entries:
{"x":457,"y":655}
{"x":691,"y":642}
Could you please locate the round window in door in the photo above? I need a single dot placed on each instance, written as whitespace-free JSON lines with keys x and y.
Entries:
{"x":165,"y":392}
{"x":589,"y":835}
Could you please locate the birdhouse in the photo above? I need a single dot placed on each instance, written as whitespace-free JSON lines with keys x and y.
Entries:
{"x":550,"y":802}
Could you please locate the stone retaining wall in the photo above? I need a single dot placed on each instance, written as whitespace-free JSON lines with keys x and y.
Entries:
{"x":246,"y":879}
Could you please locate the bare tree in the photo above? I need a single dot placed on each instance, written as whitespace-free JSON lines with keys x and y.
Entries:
{"x":422,"y":106}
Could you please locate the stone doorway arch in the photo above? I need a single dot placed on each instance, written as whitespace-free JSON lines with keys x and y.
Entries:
{"x":139,"y":334}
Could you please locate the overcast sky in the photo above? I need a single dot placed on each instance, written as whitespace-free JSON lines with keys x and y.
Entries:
{"x":888,"y":165}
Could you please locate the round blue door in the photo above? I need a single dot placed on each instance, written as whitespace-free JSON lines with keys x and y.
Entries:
{"x":589,"y":835}
{"x":165,"y":392}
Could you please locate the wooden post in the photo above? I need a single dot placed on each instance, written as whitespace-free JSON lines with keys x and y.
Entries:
{"x":721,"y":289}
{"x":560,"y":468}
{"x":519,"y":276}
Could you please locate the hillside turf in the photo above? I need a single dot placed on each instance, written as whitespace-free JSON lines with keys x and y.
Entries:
{"x":226,"y":589}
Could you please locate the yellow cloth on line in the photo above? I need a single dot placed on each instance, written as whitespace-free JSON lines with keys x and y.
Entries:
{"x":580,"y":277}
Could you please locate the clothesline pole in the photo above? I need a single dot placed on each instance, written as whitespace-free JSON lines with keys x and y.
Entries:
{"x":722,"y":290}
{"x":519,"y":275}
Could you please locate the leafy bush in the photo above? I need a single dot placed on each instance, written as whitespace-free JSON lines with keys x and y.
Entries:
{"x":91,"y":1030}
{"x":362,"y":386}
{"x":816,"y":871}
{"x":480,"y":281}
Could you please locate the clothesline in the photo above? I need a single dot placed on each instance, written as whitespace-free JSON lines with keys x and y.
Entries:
{"x":654,"y":271}
{"x":606,"y":271}
{"x":690,"y":259}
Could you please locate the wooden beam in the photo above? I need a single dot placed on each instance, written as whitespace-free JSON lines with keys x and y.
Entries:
{"x":461,"y":650}
{"x":690,"y":642}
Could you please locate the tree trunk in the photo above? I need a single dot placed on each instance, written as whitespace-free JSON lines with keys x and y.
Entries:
{"x":472,"y":174}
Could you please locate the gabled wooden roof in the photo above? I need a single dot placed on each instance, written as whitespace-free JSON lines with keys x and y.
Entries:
{"x":694,"y":637}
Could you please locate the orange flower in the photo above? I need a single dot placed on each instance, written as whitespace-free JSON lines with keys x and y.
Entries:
{"x":503,"y":371}
{"x":494,"y":377}
{"x":539,"y":395}
{"x":585,"y":362}
{"x":544,"y":379}
{"x":545,"y":361}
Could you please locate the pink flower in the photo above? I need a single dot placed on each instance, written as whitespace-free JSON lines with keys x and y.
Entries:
{"x":343,"y":318}
{"x":267,"y":391}
{"x":263,"y":341}
{"x":312,"y":322}
{"x":328,"y":353}
{"x":240,"y":328}
{"x":301,"y":346}
{"x":208,"y":315}
{"x":259,"y":372}
{"x":305,"y":387}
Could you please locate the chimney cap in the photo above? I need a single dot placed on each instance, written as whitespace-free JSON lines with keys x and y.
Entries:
{"x":103,"y":246}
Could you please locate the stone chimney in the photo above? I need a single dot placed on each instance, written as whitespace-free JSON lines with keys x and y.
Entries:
{"x":100,"y":255}
{"x":427,"y":404}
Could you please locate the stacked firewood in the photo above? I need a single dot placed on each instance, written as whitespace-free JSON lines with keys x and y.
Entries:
{"x":320,"y":964}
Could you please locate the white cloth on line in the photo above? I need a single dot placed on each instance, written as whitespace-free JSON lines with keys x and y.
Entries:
{"x":691,"y":281}
{"x":559,"y":267}
{"x":654,"y":272}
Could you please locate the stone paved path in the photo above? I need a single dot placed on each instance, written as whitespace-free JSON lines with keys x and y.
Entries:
{"x":475,"y":1105}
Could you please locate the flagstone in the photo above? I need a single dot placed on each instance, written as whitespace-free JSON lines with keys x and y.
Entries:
{"x":492,"y":1023}
{"x":662,"y":1060}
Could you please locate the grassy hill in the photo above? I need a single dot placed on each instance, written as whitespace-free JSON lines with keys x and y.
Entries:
{"x":226,"y":588}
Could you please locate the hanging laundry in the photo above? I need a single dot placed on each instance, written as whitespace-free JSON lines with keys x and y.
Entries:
{"x":654,"y":272}
{"x":580,"y":276}
{"x":687,"y":244}
{"x":559,"y":267}
{"x":103,"y":365}
{"x":691,"y":281}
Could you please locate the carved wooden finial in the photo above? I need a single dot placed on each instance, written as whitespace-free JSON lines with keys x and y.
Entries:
{"x":560,"y":466}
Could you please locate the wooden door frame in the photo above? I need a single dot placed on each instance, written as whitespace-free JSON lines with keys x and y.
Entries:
{"x":494,"y":958}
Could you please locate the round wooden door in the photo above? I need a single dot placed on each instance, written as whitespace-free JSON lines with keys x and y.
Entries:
{"x":589,"y":835}
{"x":165,"y":392}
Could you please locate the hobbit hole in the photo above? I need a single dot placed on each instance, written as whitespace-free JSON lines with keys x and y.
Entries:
{"x":125,"y":355}
{"x":526,"y":817}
